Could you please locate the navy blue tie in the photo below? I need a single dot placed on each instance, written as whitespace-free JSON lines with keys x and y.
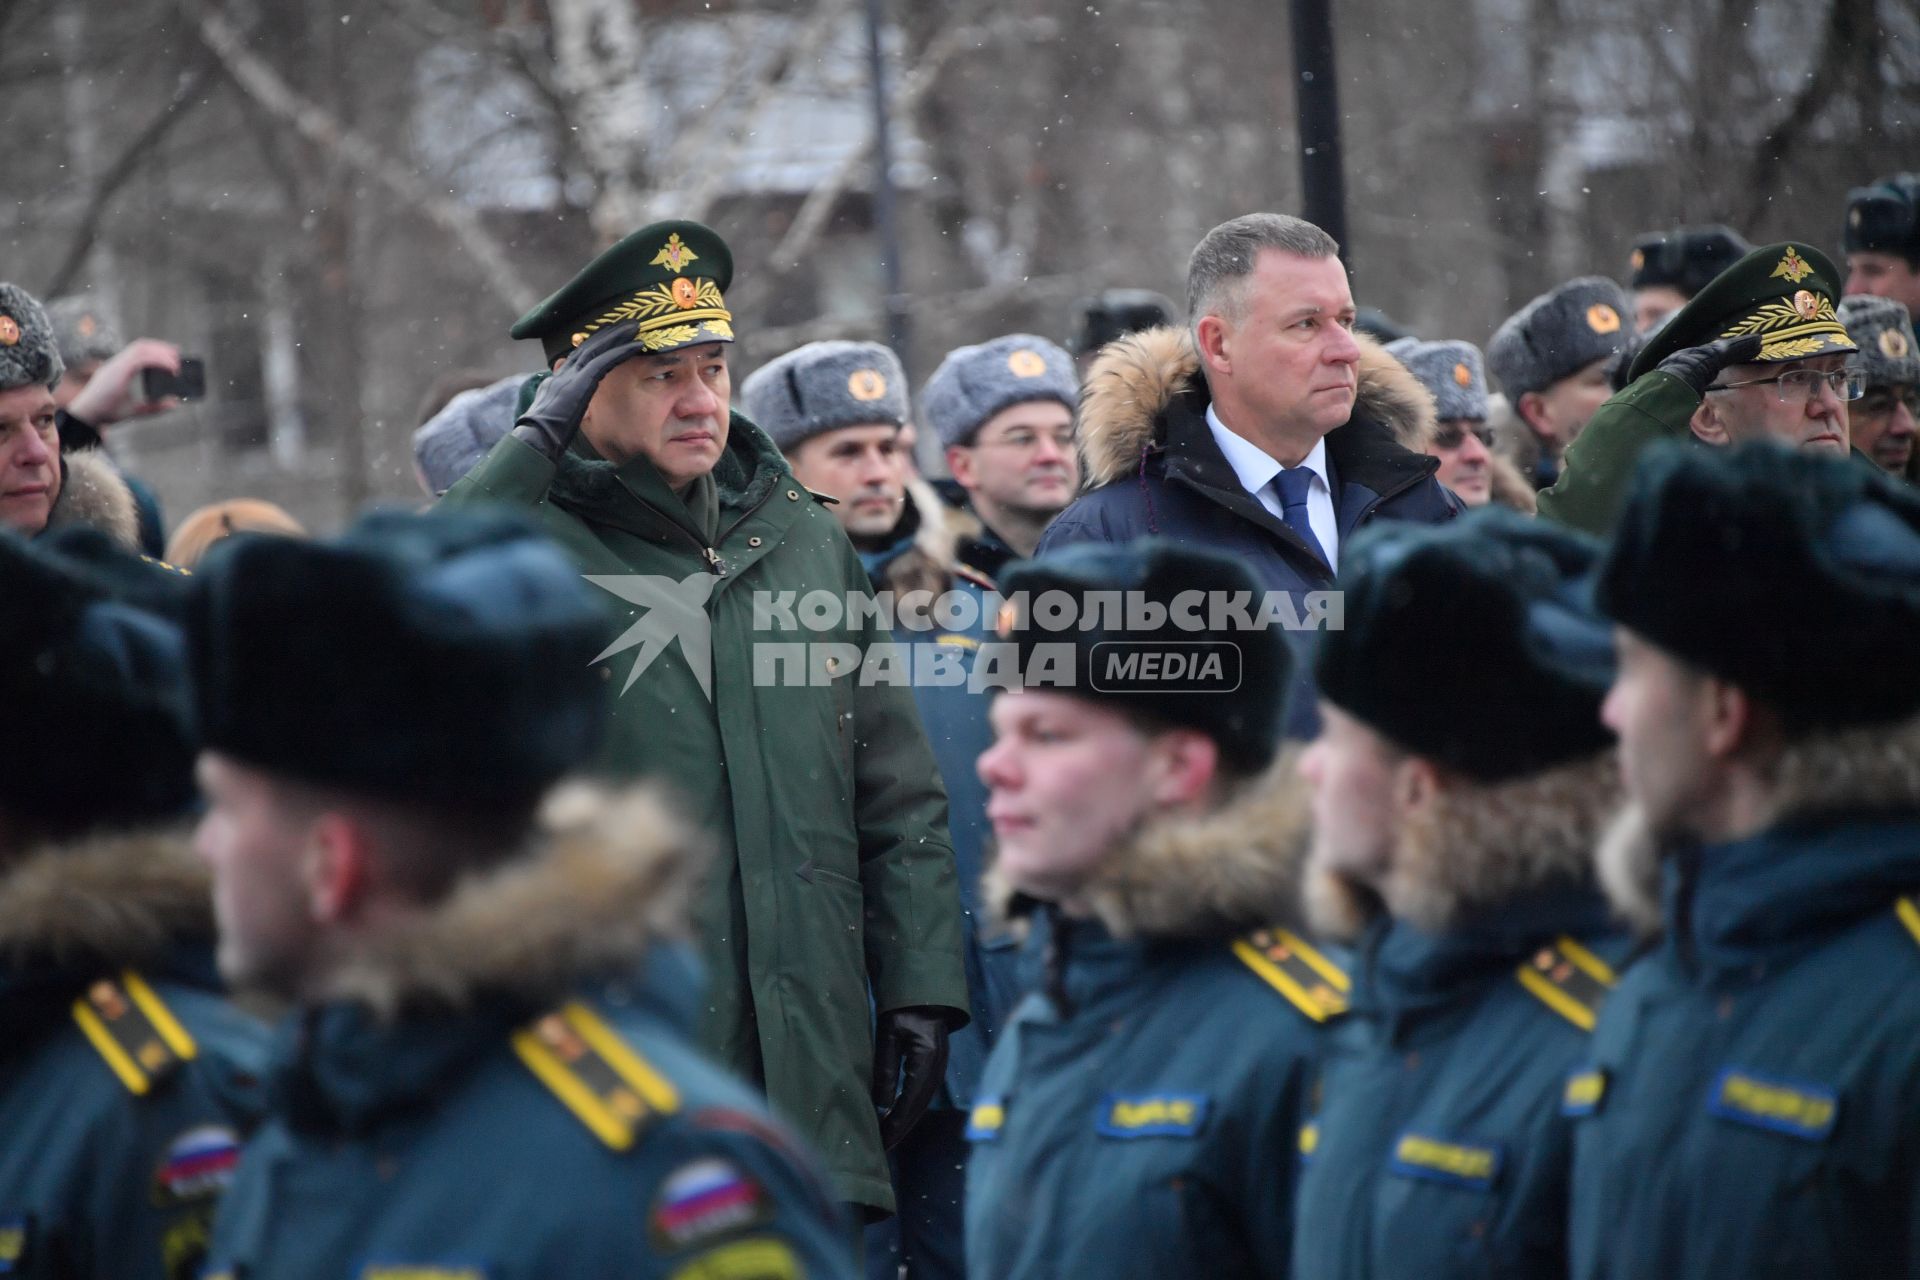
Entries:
{"x":1294,"y":483}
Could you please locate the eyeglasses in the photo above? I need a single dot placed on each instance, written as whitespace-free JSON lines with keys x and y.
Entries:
{"x":1795,"y":385}
{"x":1881,"y":401}
{"x":1452,"y":437}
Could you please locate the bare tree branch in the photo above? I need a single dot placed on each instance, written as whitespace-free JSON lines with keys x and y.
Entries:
{"x":264,"y":86}
{"x":1849,"y":27}
{"x":124,"y":166}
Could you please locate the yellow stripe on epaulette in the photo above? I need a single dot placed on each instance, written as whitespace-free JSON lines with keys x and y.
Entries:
{"x":598,"y":1075}
{"x":130,"y":1027}
{"x":1314,"y":984}
{"x":970,"y":574}
{"x":1909,"y":916}
{"x":1570,"y":980}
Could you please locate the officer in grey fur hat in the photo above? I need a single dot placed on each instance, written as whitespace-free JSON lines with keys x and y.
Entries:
{"x":1550,"y":357}
{"x":1454,"y":374}
{"x":1882,"y":421}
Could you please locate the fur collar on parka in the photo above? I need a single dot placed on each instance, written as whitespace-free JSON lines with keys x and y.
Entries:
{"x":106,"y":902}
{"x":1207,"y":875}
{"x":606,"y":876}
{"x":1869,"y":770}
{"x":1136,"y":377}
{"x":1477,"y":846}
{"x":93,"y":494}
{"x":930,"y":562}
{"x":1510,"y":488}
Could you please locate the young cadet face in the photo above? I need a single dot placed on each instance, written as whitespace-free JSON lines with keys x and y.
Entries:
{"x":1355,"y":777}
{"x":1816,"y":422}
{"x":1067,"y":779}
{"x":256,"y":844}
{"x":860,"y":465}
{"x":29,"y":459}
{"x":1659,"y":708}
{"x":670,"y":409}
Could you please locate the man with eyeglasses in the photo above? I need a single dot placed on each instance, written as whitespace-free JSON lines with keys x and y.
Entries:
{"x":1760,"y":353}
{"x":1454,"y":374}
{"x":1884,"y":419}
{"x":1003,"y":411}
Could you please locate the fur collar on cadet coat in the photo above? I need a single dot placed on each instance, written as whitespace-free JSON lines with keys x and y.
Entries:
{"x":1476,"y":847}
{"x":926,"y":553}
{"x":1866,"y":770}
{"x":607,"y":875}
{"x":93,"y":494}
{"x":1135,"y":378}
{"x":1203,"y":875}
{"x":107,"y":902}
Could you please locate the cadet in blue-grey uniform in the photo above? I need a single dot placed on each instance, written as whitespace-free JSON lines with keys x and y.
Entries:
{"x":123,"y":1071}
{"x":1460,"y":782}
{"x":1138,"y":1115}
{"x":1751,"y":1104}
{"x":487,"y":1071}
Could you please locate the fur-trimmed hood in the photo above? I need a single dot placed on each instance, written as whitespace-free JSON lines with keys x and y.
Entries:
{"x":926,"y":561}
{"x":1478,"y":847}
{"x":1214,"y":874}
{"x":92,"y":493}
{"x":607,"y":875}
{"x":1868,"y":771}
{"x":1135,"y":378}
{"x":107,"y":902}
{"x":1510,"y":487}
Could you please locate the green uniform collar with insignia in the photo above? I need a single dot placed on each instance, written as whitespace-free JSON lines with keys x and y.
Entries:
{"x":671,"y":277}
{"x":1784,"y":292}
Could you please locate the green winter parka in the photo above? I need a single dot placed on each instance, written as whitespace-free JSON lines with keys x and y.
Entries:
{"x":836,"y":875}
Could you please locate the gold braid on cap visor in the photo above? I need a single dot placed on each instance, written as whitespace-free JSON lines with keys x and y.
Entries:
{"x":675,"y":314}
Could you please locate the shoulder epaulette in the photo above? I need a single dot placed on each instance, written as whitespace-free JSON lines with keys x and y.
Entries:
{"x":1909,"y":913}
{"x":132,"y":1028}
{"x":1570,"y":980}
{"x":1315,"y":985}
{"x":601,"y":1078}
{"x":968,"y":573}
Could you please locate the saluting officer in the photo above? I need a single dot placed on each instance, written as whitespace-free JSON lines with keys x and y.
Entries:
{"x":486,"y":1072}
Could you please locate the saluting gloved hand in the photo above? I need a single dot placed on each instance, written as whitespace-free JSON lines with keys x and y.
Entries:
{"x":1699,"y":366}
{"x":909,"y":1061}
{"x":553,"y":419}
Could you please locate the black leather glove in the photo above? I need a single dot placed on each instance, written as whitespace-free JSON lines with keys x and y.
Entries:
{"x":1699,"y":366}
{"x":909,"y":1061}
{"x":553,"y":419}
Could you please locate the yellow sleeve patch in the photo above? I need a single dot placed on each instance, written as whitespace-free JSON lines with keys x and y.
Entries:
{"x":1909,"y":916}
{"x":1570,"y":980}
{"x":602,"y":1079}
{"x":761,"y":1259}
{"x":1315,"y":985}
{"x":132,"y":1029}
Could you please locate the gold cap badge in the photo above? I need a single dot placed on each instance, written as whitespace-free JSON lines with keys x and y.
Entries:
{"x":1602,"y":318}
{"x":1806,"y":304}
{"x":1026,"y":364}
{"x":866,"y":385}
{"x":1638,"y":259}
{"x":1462,"y":375}
{"x":1893,"y":344}
{"x":1792,"y":267}
{"x":9,"y":331}
{"x":87,"y":326}
{"x":675,"y":255}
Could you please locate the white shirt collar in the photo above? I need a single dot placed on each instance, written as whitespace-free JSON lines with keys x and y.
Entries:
{"x":1254,"y":465}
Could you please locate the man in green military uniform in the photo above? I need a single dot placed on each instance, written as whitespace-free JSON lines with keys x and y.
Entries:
{"x":1759,"y":353}
{"x":836,"y":876}
{"x":123,"y":1092}
{"x":486,"y":1071}
{"x":1751,"y":1106}
{"x":1460,"y":781}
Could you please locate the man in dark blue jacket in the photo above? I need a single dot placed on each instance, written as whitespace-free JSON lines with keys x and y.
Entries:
{"x":1752,"y":1104}
{"x":1270,"y":432}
